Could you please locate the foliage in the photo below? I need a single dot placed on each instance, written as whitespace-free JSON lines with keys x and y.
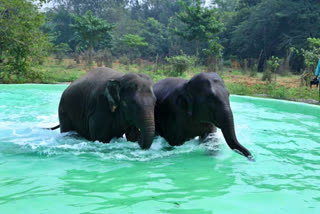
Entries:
{"x":181,"y":63}
{"x":92,"y":32}
{"x":253,"y":30}
{"x":254,"y":71}
{"x":312,"y":56}
{"x":132,"y":42}
{"x":268,"y":28}
{"x":200,"y":24}
{"x":22,"y":44}
{"x":60,"y":51}
{"x":267,"y":76}
{"x":274,"y":64}
{"x":124,"y":60}
{"x":273,"y":90}
{"x":57,"y":26}
{"x":103,"y":57}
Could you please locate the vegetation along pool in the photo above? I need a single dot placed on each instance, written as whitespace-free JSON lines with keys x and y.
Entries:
{"x":43,"y":171}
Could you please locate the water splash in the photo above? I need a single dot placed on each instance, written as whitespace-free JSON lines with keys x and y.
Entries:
{"x":52,"y":143}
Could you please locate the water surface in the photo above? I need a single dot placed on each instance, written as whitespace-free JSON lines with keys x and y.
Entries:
{"x":43,"y":171}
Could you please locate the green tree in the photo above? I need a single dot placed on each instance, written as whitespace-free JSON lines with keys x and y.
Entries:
{"x":61,"y":51}
{"x":58,"y":26}
{"x":22,"y":44}
{"x":156,"y":35}
{"x":200,"y":24}
{"x":274,"y":63}
{"x":91,"y":32}
{"x":266,"y":28}
{"x":311,"y":57}
{"x":132,"y":42}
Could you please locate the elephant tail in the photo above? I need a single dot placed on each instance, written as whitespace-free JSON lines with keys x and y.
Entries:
{"x":53,"y":128}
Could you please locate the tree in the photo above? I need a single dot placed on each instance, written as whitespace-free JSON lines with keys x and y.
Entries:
{"x":200,"y":24}
{"x":58,"y":26}
{"x":91,"y":32}
{"x":155,"y":34}
{"x":311,"y":58}
{"x":21,"y":42}
{"x":266,"y":28}
{"x":274,"y":63}
{"x":61,"y":51}
{"x":132,"y":42}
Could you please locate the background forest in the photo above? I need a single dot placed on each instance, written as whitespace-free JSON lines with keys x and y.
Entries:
{"x":255,"y":36}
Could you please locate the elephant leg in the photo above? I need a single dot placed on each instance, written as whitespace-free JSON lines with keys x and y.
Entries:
{"x":65,"y":123}
{"x":208,"y":131}
{"x":132,"y":134}
{"x":176,"y":143}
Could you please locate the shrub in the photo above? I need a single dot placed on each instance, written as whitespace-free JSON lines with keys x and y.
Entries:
{"x":274,"y":64}
{"x":60,"y":51}
{"x":103,"y":57}
{"x":124,"y":60}
{"x":227,"y":63}
{"x":181,"y":63}
{"x":267,"y":75}
{"x":254,"y":71}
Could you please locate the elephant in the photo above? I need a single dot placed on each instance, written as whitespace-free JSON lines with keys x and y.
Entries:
{"x":104,"y":104}
{"x":186,"y":109}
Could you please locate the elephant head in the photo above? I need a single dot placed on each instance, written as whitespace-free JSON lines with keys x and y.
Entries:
{"x":132,"y":96}
{"x":206,"y":99}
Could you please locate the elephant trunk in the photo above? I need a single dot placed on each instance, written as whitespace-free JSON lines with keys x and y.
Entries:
{"x":227,"y":127}
{"x":147,"y":127}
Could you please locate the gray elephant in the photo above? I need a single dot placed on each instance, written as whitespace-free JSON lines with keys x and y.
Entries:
{"x":186,"y":109}
{"x":105,"y":104}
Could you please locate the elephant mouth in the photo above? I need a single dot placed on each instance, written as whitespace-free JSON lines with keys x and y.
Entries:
{"x":133,"y":134}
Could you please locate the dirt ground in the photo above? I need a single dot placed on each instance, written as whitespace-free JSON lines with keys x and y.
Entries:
{"x":288,"y":82}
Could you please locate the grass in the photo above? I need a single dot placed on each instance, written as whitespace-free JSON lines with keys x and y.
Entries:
{"x":238,"y":82}
{"x":53,"y":72}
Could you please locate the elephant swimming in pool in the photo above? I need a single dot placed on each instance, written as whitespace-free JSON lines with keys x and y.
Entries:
{"x":105,"y":104}
{"x":186,"y":109}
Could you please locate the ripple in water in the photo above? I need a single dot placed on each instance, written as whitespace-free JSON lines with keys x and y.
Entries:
{"x":51,"y":143}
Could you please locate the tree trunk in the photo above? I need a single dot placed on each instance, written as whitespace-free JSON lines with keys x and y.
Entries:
{"x":90,"y":61}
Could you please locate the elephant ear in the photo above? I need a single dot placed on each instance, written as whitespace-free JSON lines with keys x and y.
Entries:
{"x":184,"y":101}
{"x":112,"y":94}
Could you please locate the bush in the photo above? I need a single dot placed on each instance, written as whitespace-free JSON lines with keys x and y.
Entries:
{"x":227,"y":63}
{"x":181,"y":63}
{"x":267,"y":76}
{"x":103,"y":57}
{"x":124,"y":60}
{"x":254,"y":71}
{"x":60,"y":51}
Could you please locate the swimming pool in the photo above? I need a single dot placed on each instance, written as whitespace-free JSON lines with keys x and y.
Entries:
{"x":43,"y":171}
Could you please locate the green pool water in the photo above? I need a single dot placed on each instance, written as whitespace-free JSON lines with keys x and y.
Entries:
{"x":43,"y":171}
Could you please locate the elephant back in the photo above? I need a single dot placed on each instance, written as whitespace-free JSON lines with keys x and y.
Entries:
{"x":164,"y":88}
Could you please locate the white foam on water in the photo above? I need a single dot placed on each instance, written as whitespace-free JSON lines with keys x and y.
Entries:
{"x":50,"y":143}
